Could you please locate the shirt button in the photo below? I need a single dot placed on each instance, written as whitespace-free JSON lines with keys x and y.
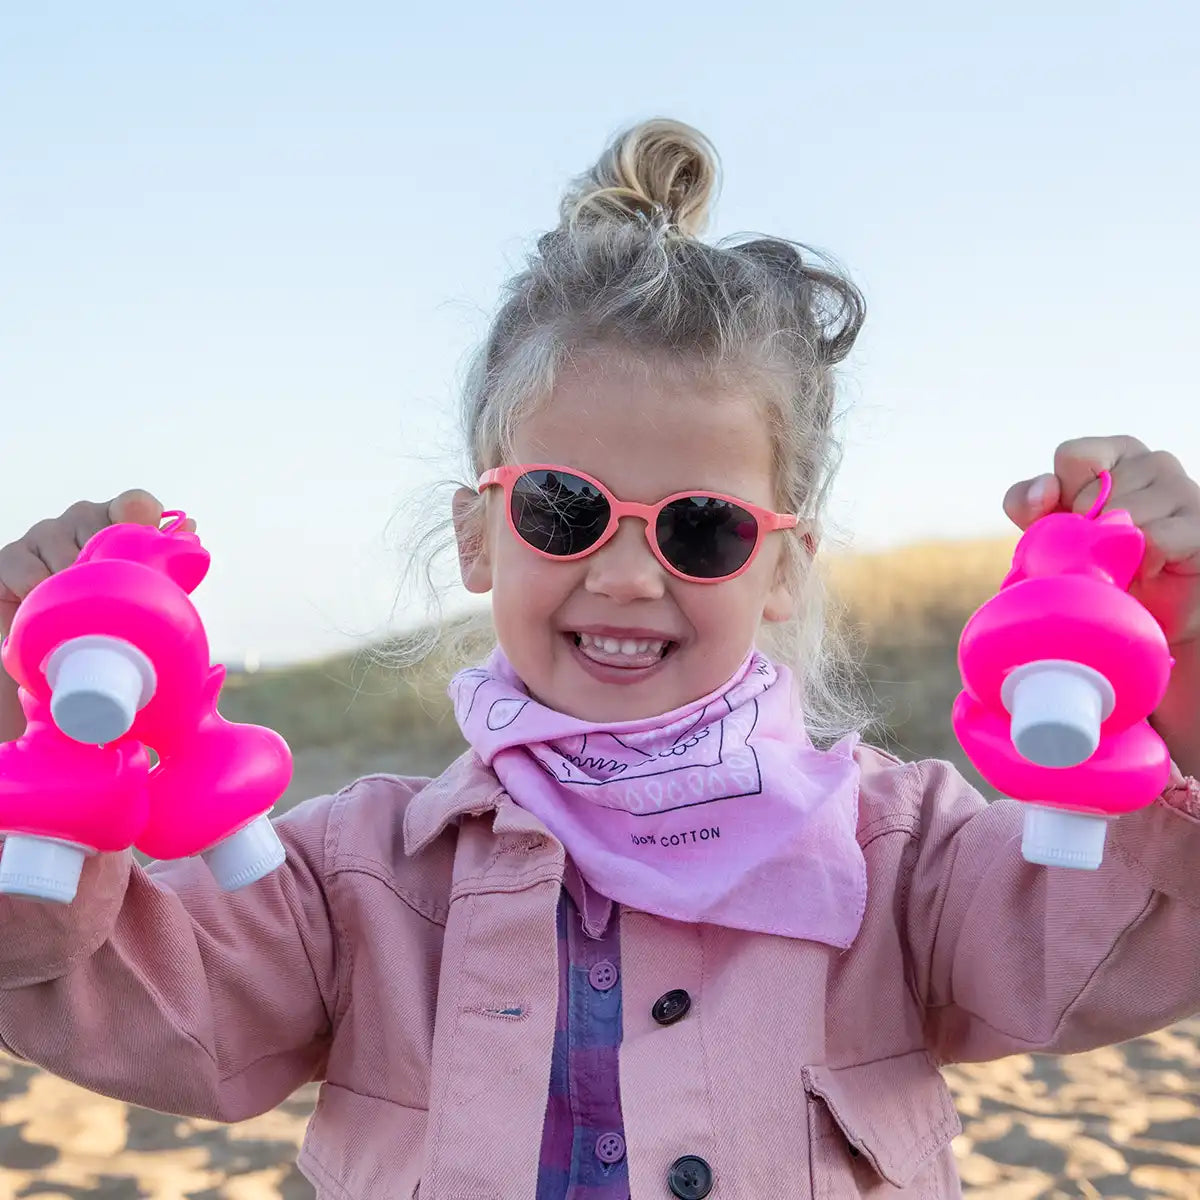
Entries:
{"x":672,"y":1007}
{"x":610,"y":1147}
{"x":690,"y":1178}
{"x":602,"y":976}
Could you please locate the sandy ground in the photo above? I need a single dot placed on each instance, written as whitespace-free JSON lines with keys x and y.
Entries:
{"x":1120,"y":1122}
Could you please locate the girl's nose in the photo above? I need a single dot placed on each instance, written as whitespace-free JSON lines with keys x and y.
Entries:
{"x":625,"y":568}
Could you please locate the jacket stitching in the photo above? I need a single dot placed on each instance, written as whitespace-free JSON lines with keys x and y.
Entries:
{"x":436,"y":914}
{"x":1143,"y":872}
{"x":924,"y":1147}
{"x":92,"y":940}
{"x":1116,"y":945}
{"x":254,"y":1063}
{"x":483,"y":885}
{"x":444,"y":1102}
{"x":343,"y":944}
{"x":890,"y":823}
{"x":318,"y":1168}
{"x":345,"y":959}
{"x":304,"y":937}
{"x":914,"y":779}
{"x":356,"y":1091}
{"x":703,"y":1029}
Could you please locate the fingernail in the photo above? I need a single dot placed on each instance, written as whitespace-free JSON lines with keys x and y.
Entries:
{"x":1039,"y":490}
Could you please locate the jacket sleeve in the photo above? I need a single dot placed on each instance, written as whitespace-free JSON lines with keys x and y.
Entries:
{"x":1010,"y":957}
{"x":155,"y":987}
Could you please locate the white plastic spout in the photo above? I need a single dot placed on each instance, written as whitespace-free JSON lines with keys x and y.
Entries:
{"x":1054,"y":837}
{"x":44,"y":868}
{"x":246,"y":855}
{"x":98,"y":684}
{"x":1057,"y":708}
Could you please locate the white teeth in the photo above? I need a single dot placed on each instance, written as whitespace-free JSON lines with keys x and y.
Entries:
{"x":623,"y":647}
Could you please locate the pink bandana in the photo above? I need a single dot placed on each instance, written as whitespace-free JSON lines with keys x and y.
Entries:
{"x":721,"y":811}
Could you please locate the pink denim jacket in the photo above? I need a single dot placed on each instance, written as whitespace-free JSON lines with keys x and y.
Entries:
{"x":405,"y":956}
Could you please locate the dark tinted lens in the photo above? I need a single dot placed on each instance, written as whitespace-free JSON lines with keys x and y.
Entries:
{"x":705,"y":537}
{"x":558,"y":513}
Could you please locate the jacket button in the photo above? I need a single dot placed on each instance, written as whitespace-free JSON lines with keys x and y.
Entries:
{"x":672,"y":1007}
{"x":690,"y":1178}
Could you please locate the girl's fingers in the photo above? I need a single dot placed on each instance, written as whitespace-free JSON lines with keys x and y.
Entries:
{"x":54,"y":543}
{"x":1172,"y":544}
{"x":1155,"y":501}
{"x":20,"y":572}
{"x":1078,"y":463}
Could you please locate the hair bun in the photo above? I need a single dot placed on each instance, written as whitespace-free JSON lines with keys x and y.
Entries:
{"x":659,"y":166}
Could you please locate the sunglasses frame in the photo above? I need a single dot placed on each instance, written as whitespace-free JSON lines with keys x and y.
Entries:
{"x":766,"y":521}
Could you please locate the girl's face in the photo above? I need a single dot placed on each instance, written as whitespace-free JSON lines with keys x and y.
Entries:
{"x":644,"y":439}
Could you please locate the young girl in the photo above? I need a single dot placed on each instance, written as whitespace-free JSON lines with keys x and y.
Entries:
{"x":670,"y":929}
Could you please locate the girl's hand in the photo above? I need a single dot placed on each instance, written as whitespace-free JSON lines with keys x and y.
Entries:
{"x":52,"y":545}
{"x":1164,"y":502}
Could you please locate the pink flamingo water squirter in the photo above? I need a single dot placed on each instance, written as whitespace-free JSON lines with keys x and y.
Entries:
{"x":1060,"y":670}
{"x":112,"y":660}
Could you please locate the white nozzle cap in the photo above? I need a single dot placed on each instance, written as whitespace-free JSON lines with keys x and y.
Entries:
{"x":44,"y":868}
{"x":97,"y":685}
{"x":1057,"y":709}
{"x":1057,"y":838}
{"x":245,"y":856}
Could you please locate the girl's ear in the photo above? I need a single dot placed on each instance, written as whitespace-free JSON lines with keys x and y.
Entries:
{"x":470,"y":531}
{"x":780,"y":604}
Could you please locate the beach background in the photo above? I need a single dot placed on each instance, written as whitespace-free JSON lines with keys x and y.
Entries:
{"x":1118,"y":1122}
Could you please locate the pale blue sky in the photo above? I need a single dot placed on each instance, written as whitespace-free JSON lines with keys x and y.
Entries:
{"x":245,"y":248}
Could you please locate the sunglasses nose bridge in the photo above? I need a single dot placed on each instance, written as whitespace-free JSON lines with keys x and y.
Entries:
{"x":625,"y":565}
{"x":645,"y":514}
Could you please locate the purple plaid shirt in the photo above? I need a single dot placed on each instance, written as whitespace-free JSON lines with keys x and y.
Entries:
{"x":583,"y":1144}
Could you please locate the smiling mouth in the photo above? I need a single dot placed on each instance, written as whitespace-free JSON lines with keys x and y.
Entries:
{"x":622,"y":652}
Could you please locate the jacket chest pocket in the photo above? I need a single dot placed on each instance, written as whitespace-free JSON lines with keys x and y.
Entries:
{"x":883,"y":1130}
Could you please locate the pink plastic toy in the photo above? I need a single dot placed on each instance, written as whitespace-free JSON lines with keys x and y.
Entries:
{"x":1060,"y":669}
{"x":111,"y":658}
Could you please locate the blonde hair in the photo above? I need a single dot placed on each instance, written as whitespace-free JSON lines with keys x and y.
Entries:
{"x":625,"y":272}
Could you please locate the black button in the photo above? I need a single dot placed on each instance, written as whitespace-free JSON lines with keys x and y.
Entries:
{"x":690,"y":1178}
{"x":672,"y":1007}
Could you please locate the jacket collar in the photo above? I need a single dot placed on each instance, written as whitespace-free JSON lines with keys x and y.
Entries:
{"x":466,"y":788}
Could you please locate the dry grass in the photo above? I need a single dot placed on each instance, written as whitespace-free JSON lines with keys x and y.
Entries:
{"x":922,"y":592}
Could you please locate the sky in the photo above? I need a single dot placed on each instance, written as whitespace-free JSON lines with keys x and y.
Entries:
{"x":247,"y":248}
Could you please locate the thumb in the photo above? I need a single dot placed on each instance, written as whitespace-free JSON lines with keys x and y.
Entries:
{"x":139,"y":507}
{"x":135,"y":507}
{"x":1030,"y":499}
